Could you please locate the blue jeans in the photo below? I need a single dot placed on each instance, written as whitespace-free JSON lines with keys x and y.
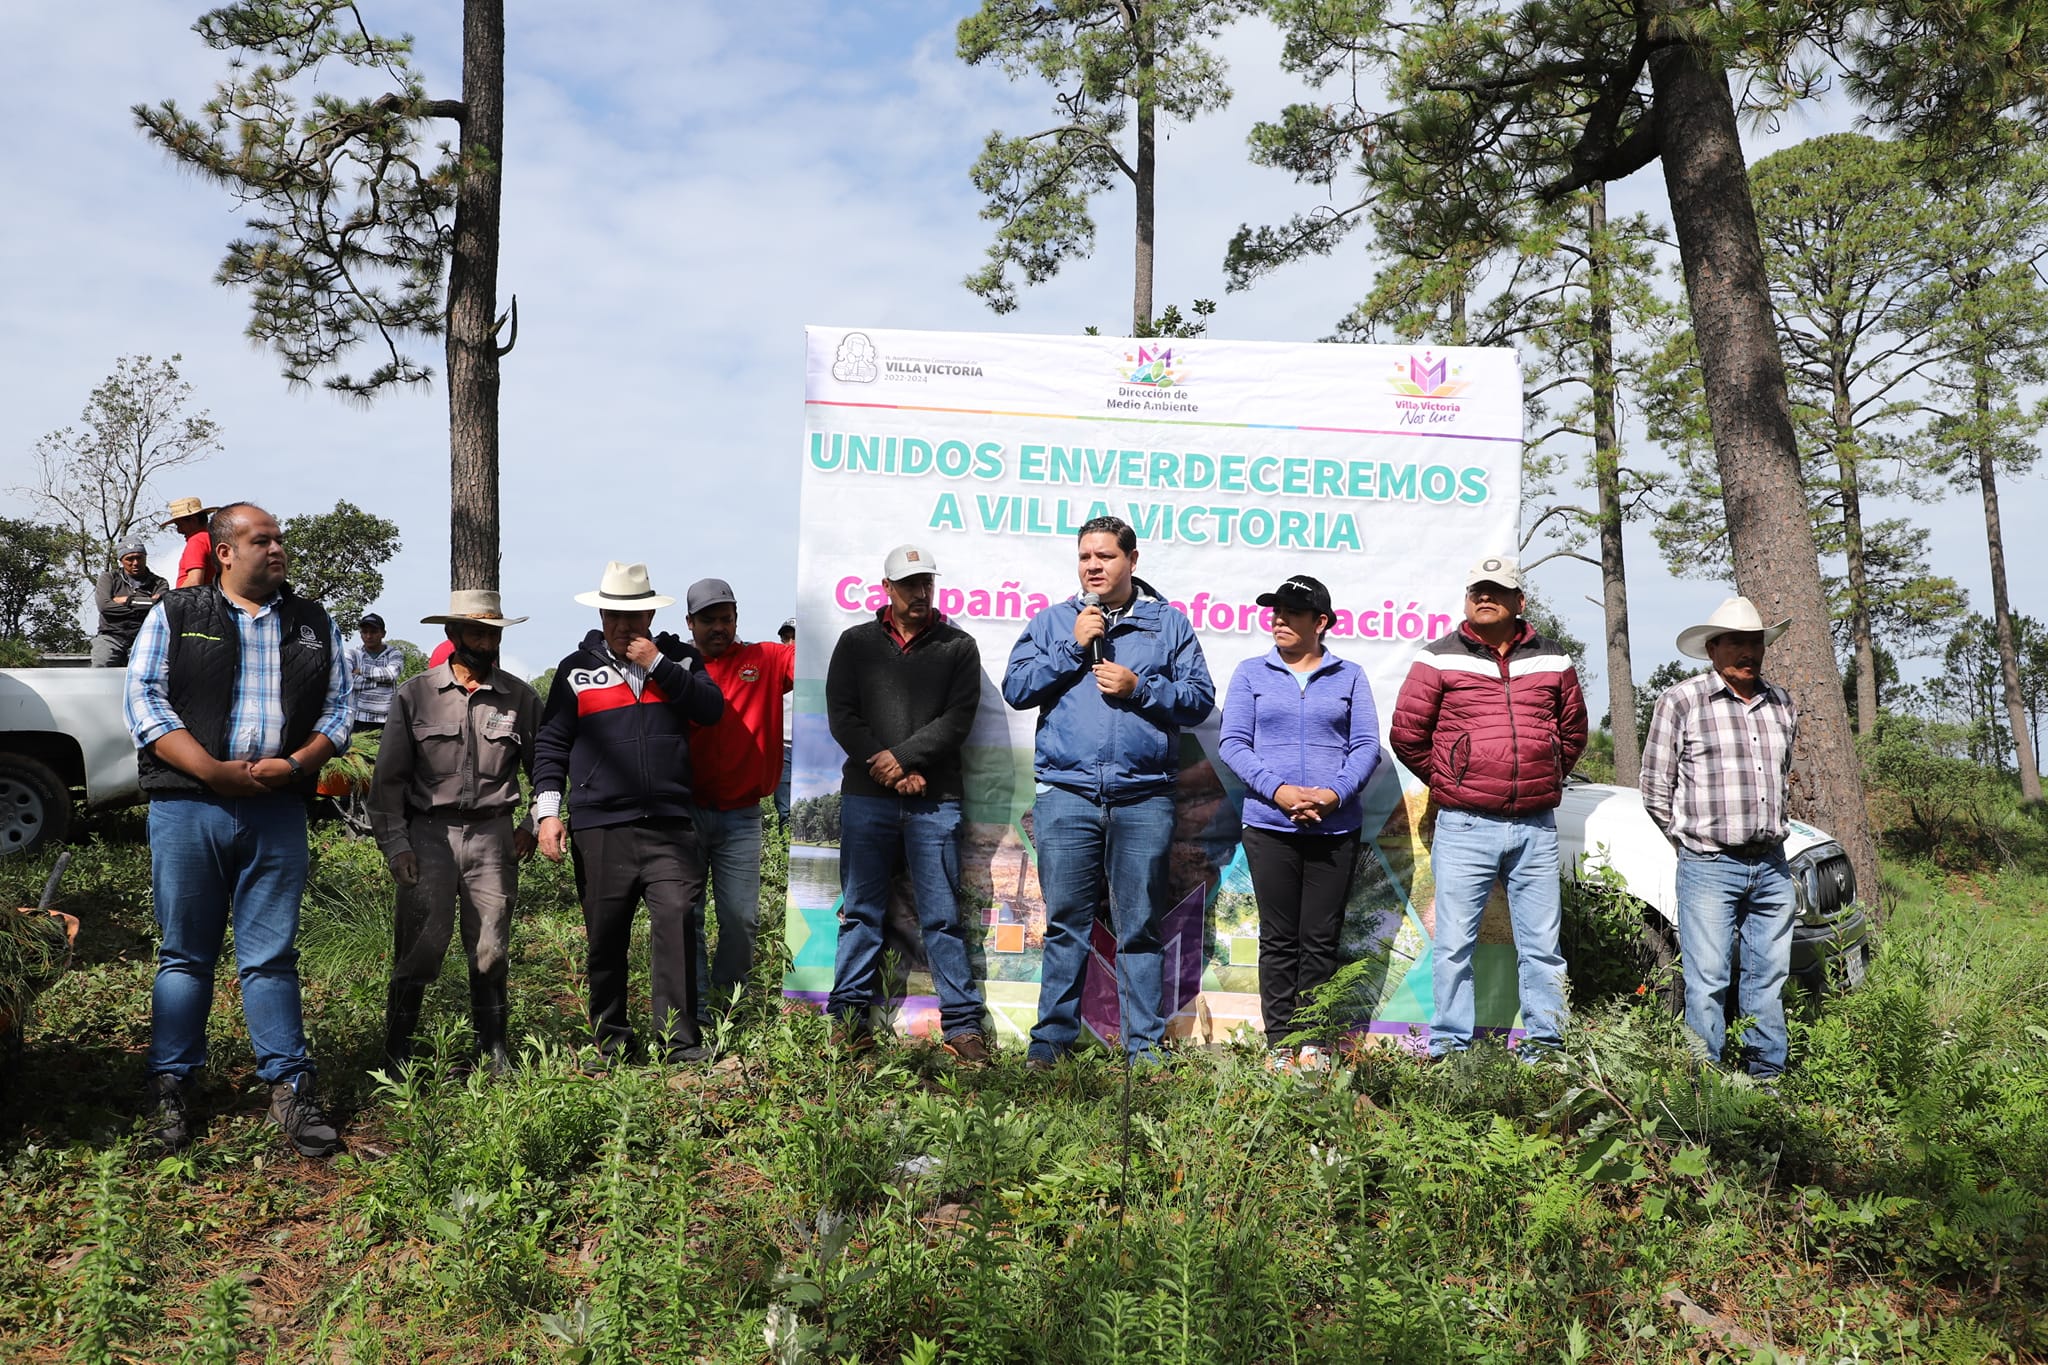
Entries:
{"x":1079,"y":845}
{"x":1473,"y":850}
{"x":730,"y":841}
{"x":1721,"y":898}
{"x":782,"y":788}
{"x":876,"y":835}
{"x":213,"y":859}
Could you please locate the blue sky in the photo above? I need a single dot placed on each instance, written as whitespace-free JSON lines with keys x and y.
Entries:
{"x":686,"y":186}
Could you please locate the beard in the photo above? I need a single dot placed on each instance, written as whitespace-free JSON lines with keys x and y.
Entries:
{"x":480,"y":662}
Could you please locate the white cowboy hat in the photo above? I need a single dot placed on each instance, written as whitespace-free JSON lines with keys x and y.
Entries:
{"x":625,"y":588}
{"x":472,"y":607}
{"x":1737,"y":614}
{"x":186,"y":507}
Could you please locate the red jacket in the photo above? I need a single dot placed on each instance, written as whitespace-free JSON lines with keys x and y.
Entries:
{"x":1487,"y":732}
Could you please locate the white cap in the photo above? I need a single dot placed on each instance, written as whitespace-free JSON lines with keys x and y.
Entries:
{"x":1500,"y":569}
{"x":908,"y":561}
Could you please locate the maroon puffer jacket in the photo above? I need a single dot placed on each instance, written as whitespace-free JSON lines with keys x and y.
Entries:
{"x":1489,"y":733}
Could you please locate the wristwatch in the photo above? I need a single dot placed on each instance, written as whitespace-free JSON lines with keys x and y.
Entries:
{"x":297,"y":770}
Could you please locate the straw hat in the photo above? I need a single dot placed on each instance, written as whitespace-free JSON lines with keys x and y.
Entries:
{"x":182,"y":508}
{"x":472,"y":607}
{"x":1738,"y":615}
{"x":625,"y":587}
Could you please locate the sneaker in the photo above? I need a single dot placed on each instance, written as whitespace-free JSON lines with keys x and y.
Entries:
{"x":1312,"y":1058}
{"x":689,"y":1054}
{"x":294,"y":1108}
{"x":170,"y":1122}
{"x":1038,"y":1063}
{"x":970,"y":1049}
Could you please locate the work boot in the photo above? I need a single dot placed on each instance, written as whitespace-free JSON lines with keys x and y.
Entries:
{"x":488,"y":1011}
{"x":170,"y":1122}
{"x":969,"y":1049}
{"x":401,"y":1020}
{"x":295,"y":1109}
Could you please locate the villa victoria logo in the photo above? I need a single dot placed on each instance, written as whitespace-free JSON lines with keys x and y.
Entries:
{"x":859,"y":361}
{"x":1427,"y":386}
{"x":1151,"y":380}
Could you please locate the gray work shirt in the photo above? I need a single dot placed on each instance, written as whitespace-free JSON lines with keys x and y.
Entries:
{"x":450,"y":751}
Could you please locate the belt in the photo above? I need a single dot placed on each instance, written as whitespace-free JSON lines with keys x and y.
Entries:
{"x":1755,"y":848}
{"x":455,"y":815}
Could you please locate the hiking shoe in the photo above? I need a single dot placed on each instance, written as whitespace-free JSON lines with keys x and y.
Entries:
{"x":969,"y":1049}
{"x":170,"y":1122}
{"x":689,"y":1054}
{"x":1041,"y":1065}
{"x":294,"y":1108}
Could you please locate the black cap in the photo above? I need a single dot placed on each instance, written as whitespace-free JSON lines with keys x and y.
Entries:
{"x":1300,"y":593}
{"x":372,"y":620}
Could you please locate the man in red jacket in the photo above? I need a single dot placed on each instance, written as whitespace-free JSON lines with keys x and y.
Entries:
{"x":1491,"y":717}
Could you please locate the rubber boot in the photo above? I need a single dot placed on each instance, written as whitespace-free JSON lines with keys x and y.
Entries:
{"x":488,"y":1011}
{"x":401,"y":1019}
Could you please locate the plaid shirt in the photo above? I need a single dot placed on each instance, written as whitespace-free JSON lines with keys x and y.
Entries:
{"x":1714,"y":765}
{"x":256,"y":717}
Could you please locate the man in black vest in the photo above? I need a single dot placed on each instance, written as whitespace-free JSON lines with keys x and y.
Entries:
{"x":237,"y":693}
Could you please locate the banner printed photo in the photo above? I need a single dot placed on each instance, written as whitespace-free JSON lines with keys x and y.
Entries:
{"x":1384,"y":471}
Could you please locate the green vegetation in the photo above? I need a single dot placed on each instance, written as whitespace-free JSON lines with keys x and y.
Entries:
{"x":1889,"y":1202}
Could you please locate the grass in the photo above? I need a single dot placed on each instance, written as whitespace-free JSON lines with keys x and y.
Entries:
{"x":1619,"y":1203}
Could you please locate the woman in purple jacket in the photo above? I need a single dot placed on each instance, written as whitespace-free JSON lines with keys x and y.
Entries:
{"x":1300,"y":730}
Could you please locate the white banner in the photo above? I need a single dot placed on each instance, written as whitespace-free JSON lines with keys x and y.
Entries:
{"x":1383,"y":471}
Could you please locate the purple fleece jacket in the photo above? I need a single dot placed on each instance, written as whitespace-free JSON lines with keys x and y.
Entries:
{"x":1274,"y":734}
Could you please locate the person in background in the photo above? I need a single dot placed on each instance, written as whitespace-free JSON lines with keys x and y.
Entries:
{"x":901,"y":691}
{"x":615,"y":738}
{"x":1115,"y":674}
{"x":1302,"y":734}
{"x":1716,"y":766}
{"x":124,"y":593}
{"x":375,"y":667}
{"x":1491,"y":718}
{"x":441,"y":808}
{"x":733,"y":764}
{"x":196,"y":564}
{"x":788,"y":636}
{"x":236,"y":694}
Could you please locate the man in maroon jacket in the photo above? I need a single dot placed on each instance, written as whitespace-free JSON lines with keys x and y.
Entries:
{"x":1491,"y":717}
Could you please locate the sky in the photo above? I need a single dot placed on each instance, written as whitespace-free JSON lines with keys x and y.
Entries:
{"x":685,"y":188}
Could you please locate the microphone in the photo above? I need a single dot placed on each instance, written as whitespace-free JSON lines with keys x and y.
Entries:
{"x":1093,"y":599}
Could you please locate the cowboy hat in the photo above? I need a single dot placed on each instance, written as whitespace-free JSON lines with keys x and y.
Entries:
{"x":625,"y":588}
{"x":1738,"y":615}
{"x":182,"y":508}
{"x":470,"y":607}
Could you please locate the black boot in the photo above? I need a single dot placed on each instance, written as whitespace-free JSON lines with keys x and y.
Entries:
{"x":401,"y":1018}
{"x":488,"y":1011}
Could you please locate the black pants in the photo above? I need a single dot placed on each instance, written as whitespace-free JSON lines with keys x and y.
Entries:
{"x":1302,"y":882}
{"x":616,"y":868}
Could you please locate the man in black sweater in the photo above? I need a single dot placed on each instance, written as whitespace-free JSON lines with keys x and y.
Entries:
{"x":616,"y":728}
{"x":900,"y":695}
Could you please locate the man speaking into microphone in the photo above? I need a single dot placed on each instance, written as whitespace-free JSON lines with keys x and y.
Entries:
{"x":1115,"y":673}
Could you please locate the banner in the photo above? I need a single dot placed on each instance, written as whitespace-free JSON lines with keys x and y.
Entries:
{"x":1383,"y":471}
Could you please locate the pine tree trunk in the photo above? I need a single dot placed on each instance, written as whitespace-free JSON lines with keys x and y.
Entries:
{"x":1862,"y":640}
{"x":1769,"y":533}
{"x":473,"y":305}
{"x":1144,"y":182}
{"x":1621,"y":680}
{"x":2001,"y":607}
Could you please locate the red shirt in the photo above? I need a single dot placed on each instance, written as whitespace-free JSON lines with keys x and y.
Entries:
{"x":441,"y":653}
{"x":198,"y":555}
{"x":738,"y":761}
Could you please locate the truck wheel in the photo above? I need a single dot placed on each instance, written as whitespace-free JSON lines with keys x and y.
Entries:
{"x":1658,"y":955}
{"x":35,"y":805}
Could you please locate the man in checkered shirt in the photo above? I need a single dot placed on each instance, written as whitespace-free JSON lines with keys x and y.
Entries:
{"x":237,"y":693}
{"x":1714,"y":780}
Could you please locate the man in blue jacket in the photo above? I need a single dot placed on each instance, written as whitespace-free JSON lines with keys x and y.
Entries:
{"x":616,"y":730}
{"x":1115,"y":673}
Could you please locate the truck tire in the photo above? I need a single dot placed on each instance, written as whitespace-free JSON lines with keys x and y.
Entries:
{"x":35,"y":805}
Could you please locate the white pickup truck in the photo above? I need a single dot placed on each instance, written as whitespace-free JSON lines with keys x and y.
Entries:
{"x":1606,"y":826}
{"x":61,"y":731}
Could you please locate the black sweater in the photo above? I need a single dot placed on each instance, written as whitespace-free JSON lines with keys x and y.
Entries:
{"x":627,"y":757}
{"x":918,"y":703}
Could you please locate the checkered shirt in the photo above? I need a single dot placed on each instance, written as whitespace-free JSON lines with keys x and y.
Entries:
{"x":256,"y":716}
{"x":1714,"y":765}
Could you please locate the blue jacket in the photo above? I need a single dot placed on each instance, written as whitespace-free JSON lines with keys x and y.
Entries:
{"x":1275,"y":734}
{"x":1111,"y":749}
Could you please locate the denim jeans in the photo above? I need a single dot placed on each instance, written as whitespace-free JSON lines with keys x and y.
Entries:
{"x":1080,"y":844}
{"x":876,"y":835}
{"x":782,"y":787}
{"x":214,"y":859}
{"x":1471,"y":852}
{"x":1721,"y":898}
{"x":730,"y":841}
